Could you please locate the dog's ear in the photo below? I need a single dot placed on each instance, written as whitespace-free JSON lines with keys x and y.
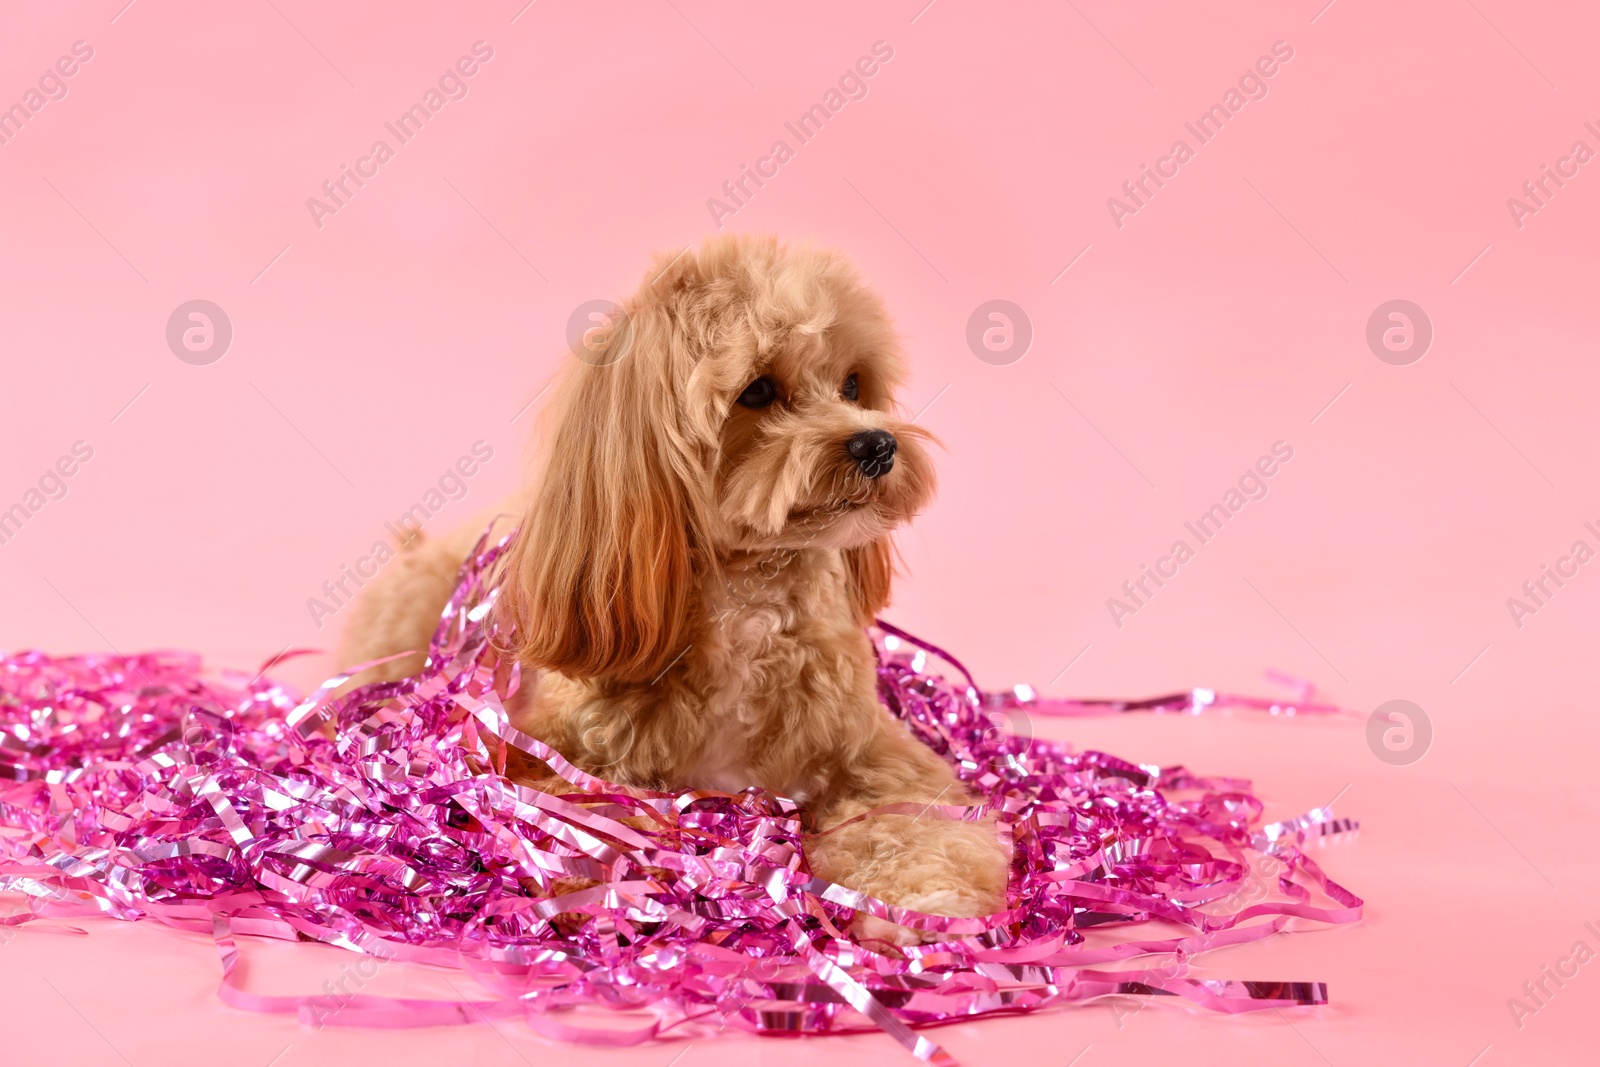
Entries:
{"x":601,"y":582}
{"x":869,"y":569}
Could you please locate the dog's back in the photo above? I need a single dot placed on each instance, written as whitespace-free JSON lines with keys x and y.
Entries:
{"x":399,"y":609}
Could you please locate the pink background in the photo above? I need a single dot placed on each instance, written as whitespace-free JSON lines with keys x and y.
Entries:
{"x":1223,"y":316}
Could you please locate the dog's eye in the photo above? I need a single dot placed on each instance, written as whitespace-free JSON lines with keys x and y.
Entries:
{"x":759,"y":393}
{"x":851,"y":390}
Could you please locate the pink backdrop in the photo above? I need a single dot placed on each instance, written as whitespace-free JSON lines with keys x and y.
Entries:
{"x":1175,"y":339}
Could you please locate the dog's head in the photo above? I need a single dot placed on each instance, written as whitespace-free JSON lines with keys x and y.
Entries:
{"x":744,"y":405}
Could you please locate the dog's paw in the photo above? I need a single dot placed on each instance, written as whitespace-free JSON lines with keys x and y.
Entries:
{"x":951,"y":902}
{"x":871,"y":928}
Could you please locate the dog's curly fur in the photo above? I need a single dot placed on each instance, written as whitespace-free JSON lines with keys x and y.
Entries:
{"x":693,"y":575}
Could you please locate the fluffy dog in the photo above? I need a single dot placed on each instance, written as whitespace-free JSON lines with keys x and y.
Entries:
{"x":707,"y":539}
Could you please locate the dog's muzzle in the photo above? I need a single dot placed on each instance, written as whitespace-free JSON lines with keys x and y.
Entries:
{"x":873,"y":451}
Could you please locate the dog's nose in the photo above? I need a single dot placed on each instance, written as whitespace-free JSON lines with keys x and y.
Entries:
{"x":873,"y":451}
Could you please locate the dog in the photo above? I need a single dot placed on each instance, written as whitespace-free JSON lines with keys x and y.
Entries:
{"x":700,"y":555}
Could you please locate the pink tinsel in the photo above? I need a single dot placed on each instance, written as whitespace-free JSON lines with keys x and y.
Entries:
{"x":131,"y":786}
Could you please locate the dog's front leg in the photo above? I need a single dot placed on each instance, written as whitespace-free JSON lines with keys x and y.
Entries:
{"x":923,"y":861}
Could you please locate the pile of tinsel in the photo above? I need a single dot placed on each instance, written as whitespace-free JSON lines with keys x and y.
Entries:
{"x":138,"y":787}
